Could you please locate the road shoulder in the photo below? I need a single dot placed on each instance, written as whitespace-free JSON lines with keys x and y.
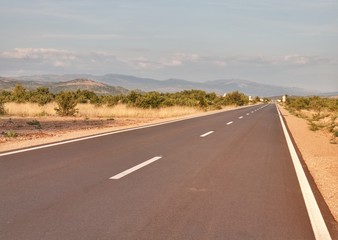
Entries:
{"x":320,"y":157}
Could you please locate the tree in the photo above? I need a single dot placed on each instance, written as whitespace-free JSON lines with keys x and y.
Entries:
{"x":41,"y":96}
{"x":20,"y":94}
{"x":66,"y":102}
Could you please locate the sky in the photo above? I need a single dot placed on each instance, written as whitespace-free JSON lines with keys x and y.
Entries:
{"x":287,"y":43}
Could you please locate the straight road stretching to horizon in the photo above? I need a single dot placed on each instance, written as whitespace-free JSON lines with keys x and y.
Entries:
{"x":223,"y":176}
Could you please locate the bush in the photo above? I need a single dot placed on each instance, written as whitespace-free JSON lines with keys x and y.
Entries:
{"x":20,"y":94}
{"x":237,"y":98}
{"x":149,"y":100}
{"x":66,"y":102}
{"x":5,"y":96}
{"x":2,"y":108}
{"x":312,"y":103}
{"x":111,"y":100}
{"x":10,"y":134}
{"x":41,"y":96}
{"x":35,"y":123}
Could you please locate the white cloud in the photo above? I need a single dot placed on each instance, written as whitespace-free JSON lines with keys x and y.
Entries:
{"x":88,"y":36}
{"x":28,"y":61}
{"x":220,"y":64}
{"x":179,"y":59}
{"x":296,"y":59}
{"x":172,"y":60}
{"x":63,"y":58}
{"x":51,"y":60}
{"x":38,"y":53}
{"x":281,"y":60}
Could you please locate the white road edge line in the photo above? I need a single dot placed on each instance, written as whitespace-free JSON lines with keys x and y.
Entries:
{"x":206,"y":134}
{"x":240,"y":117}
{"x":133,"y":169}
{"x":229,"y":123}
{"x":107,"y":133}
{"x":318,"y":224}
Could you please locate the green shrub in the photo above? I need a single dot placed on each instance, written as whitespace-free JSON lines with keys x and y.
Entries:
{"x":149,"y":100}
{"x":41,"y":96}
{"x":35,"y":123}
{"x":316,"y":103}
{"x":2,"y":108}
{"x":20,"y":94}
{"x":111,"y":100}
{"x":313,"y":127}
{"x":237,"y":98}
{"x":10,"y":134}
{"x":66,"y":102}
{"x":335,"y":133}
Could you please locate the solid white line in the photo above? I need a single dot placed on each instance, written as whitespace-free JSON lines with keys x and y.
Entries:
{"x":133,"y":169}
{"x":240,"y":117}
{"x":229,"y":123}
{"x":318,"y":224}
{"x":206,"y":134}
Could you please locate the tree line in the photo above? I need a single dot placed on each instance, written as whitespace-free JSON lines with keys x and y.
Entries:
{"x":67,"y":100}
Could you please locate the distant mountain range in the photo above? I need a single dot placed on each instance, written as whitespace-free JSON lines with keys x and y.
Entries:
{"x":117,"y":83}
{"x":72,"y":85}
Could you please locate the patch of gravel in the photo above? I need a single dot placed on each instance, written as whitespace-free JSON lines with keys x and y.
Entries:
{"x":320,"y":156}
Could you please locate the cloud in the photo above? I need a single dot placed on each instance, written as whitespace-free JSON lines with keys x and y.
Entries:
{"x":62,"y":58}
{"x":179,"y":59}
{"x":27,"y":61}
{"x":172,"y":60}
{"x":58,"y":58}
{"x":36,"y":53}
{"x":88,"y":37}
{"x":55,"y":60}
{"x":269,"y":61}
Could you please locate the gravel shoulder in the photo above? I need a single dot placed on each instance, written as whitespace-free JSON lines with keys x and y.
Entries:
{"x":320,"y":156}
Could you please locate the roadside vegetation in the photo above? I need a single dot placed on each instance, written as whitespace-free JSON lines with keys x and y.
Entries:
{"x":37,"y":113}
{"x":321,"y":113}
{"x":67,"y":103}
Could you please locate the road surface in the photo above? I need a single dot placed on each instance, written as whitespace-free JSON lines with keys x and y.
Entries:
{"x":223,"y":176}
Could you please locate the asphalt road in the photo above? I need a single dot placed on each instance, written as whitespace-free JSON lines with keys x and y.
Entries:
{"x":223,"y":176}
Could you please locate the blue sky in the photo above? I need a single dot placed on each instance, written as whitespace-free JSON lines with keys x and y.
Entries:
{"x":288,"y":43}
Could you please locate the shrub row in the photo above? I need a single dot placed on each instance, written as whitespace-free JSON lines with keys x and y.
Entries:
{"x":67,"y":100}
{"x":316,"y":103}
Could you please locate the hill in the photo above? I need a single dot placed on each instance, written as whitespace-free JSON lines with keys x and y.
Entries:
{"x":72,"y":85}
{"x":172,"y":85}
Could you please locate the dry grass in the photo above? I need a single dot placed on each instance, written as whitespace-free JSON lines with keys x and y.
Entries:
{"x":122,"y":110}
{"x":326,"y":121}
{"x":92,"y":111}
{"x":30,"y":109}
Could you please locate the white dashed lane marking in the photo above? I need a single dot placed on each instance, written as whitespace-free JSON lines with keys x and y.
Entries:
{"x":206,"y":134}
{"x":137,"y":167}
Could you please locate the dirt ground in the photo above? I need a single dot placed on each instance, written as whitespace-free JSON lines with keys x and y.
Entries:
{"x":20,"y":132}
{"x":320,"y":156}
